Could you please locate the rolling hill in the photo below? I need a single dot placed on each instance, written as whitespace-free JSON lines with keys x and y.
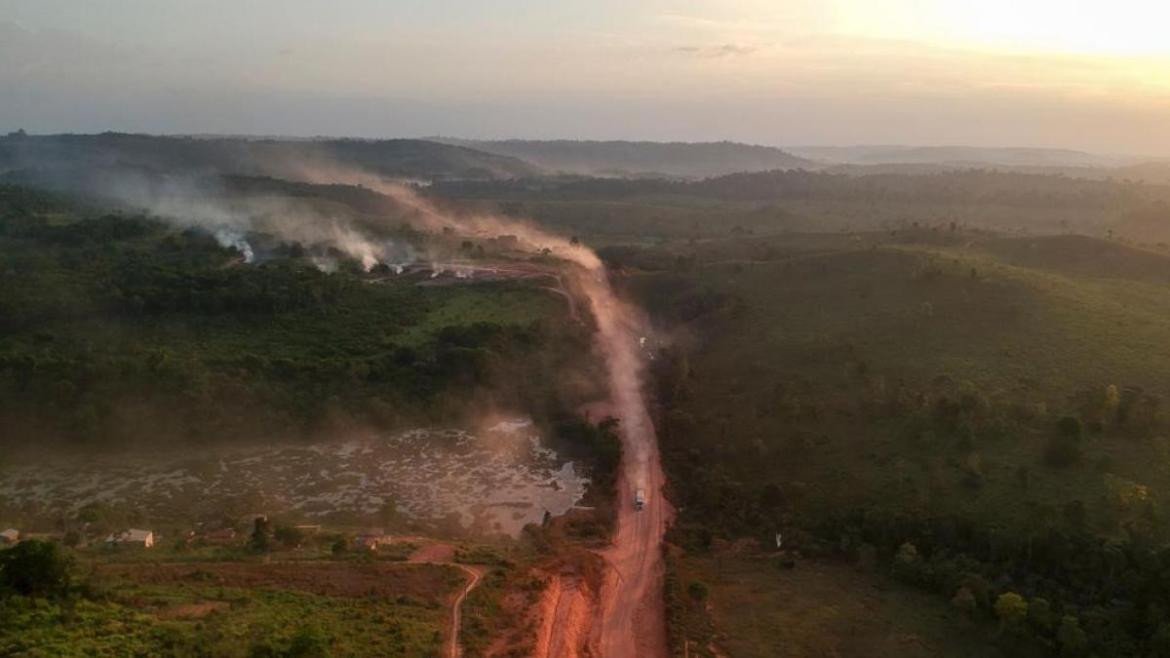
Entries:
{"x":410,"y":159}
{"x":621,"y":158}
{"x":965,"y":155}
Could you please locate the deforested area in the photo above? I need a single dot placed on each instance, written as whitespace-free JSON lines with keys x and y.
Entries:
{"x":585,"y":330}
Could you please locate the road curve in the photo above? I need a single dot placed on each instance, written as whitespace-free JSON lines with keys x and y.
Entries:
{"x":432,"y":552}
{"x":455,"y":648}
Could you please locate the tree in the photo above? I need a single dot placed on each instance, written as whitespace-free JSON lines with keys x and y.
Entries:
{"x":697,"y":591}
{"x":260,"y":541}
{"x":288,"y":536}
{"x":1075,"y":515}
{"x":1064,"y":446}
{"x":964,"y":601}
{"x":1040,"y":614}
{"x":34,"y":568}
{"x":1110,"y":403}
{"x":1160,"y":642}
{"x":906,"y":562}
{"x":308,"y":642}
{"x":1069,"y":427}
{"x":1011,"y":609}
{"x":1071,"y":638}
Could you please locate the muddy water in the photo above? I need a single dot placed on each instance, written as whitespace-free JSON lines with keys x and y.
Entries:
{"x":495,"y":480}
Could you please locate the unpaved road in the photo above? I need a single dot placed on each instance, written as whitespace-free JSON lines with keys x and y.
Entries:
{"x":632,"y":616}
{"x":627,"y":617}
{"x":438,"y":553}
{"x":628,"y":614}
{"x":455,"y":648}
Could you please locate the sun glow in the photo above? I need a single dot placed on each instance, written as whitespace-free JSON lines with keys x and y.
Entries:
{"x":1118,"y":27}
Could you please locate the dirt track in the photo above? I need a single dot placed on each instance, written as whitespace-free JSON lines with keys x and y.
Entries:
{"x":628,"y":614}
{"x":632,"y":619}
{"x":438,"y":553}
{"x":455,"y":648}
{"x":627,"y":617}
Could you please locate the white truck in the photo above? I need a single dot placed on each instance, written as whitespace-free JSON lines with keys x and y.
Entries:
{"x":639,"y":499}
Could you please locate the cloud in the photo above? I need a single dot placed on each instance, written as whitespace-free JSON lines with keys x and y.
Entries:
{"x":719,"y":51}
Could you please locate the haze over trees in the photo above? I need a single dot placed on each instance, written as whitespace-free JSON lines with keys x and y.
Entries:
{"x":951,"y":382}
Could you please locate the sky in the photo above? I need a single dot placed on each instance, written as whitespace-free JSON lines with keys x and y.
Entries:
{"x":1089,"y":75}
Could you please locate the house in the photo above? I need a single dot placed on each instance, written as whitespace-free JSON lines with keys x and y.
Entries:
{"x":308,"y":528}
{"x":221,"y":536}
{"x":132,"y":537}
{"x":9,"y":537}
{"x":372,"y":540}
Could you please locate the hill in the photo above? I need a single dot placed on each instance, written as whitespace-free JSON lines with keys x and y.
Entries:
{"x":957,"y":410}
{"x":623,"y":159}
{"x":963,"y":155}
{"x":409,"y":159}
{"x":774,"y":201}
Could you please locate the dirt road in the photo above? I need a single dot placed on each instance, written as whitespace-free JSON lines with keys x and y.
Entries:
{"x":454,"y":647}
{"x":628,"y":615}
{"x":438,"y":553}
{"x":631,"y":613}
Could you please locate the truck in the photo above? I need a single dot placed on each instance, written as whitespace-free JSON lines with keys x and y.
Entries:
{"x":639,"y":499}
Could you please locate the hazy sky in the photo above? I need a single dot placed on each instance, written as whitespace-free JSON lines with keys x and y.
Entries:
{"x":1082,"y":74}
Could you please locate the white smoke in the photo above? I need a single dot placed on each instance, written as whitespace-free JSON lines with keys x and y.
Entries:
{"x":190,"y":201}
{"x":231,"y":238}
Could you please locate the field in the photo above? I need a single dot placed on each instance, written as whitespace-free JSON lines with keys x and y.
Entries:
{"x":755,"y":608}
{"x":241,"y":609}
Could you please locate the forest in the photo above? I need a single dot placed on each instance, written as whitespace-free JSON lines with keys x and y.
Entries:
{"x":115,"y":325}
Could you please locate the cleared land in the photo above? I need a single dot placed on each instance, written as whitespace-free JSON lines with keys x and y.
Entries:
{"x":820,"y":609}
{"x":240,"y":609}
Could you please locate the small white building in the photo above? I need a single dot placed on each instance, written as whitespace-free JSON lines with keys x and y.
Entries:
{"x":9,"y":537}
{"x":132,"y":537}
{"x":372,"y":540}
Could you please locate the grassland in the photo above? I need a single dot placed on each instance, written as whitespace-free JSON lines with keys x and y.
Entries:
{"x":240,"y":609}
{"x":308,"y":600}
{"x":753,"y":607}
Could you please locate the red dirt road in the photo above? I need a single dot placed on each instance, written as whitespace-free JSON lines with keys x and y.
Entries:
{"x":629,"y":617}
{"x":632,"y":616}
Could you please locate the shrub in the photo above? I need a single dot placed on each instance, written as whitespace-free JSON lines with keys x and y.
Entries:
{"x":1011,"y":609}
{"x":1064,"y":447}
{"x":1073,"y":641}
{"x":34,"y":568}
{"x":697,"y":591}
{"x":288,"y":536}
{"x":964,"y":601}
